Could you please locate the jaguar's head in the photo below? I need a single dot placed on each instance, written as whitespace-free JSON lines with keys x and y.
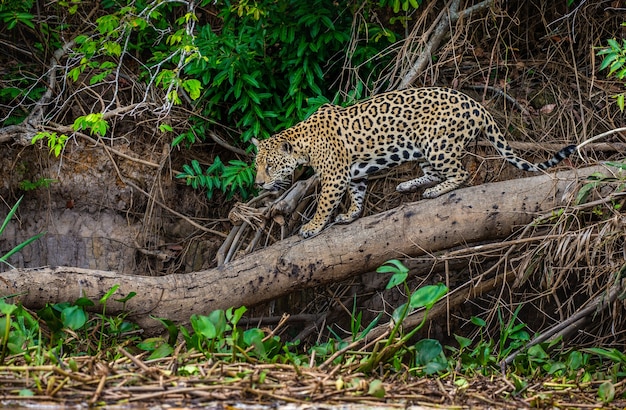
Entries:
{"x":275,"y":162}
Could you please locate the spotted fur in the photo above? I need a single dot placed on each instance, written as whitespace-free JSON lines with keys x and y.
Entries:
{"x":345,"y":145}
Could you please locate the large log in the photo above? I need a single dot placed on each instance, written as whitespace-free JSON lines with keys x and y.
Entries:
{"x":480,"y":213}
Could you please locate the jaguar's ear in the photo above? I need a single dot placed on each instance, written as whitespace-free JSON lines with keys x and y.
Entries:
{"x":286,"y":147}
{"x":254,"y":142}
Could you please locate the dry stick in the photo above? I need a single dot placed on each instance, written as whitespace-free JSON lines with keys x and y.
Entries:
{"x":597,"y":137}
{"x":219,"y":141}
{"x":222,"y":251}
{"x":136,"y":361}
{"x":599,"y":303}
{"x":47,"y":369}
{"x":402,"y":55}
{"x":440,"y":31}
{"x":99,"y":389}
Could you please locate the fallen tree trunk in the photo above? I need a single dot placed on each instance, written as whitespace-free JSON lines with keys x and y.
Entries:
{"x":485,"y":212}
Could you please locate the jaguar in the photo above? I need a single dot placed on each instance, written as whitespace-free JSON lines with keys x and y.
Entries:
{"x":344,"y":145}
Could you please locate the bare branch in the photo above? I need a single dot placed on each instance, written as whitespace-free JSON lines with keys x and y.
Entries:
{"x":441,"y":30}
{"x":24,"y":132}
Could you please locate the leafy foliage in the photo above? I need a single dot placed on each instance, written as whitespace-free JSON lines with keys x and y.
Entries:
{"x":55,"y":142}
{"x":614,"y":60}
{"x":231,"y":179}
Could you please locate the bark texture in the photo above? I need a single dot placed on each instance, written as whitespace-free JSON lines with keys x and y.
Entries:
{"x":480,"y":213}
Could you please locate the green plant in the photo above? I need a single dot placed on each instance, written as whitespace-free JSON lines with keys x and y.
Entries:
{"x":13,"y":13}
{"x":398,"y":5}
{"x":266,"y":65}
{"x":598,"y":180}
{"x":27,"y":185}
{"x":55,"y":142}
{"x":18,"y":328}
{"x":217,"y":335}
{"x":92,"y":122}
{"x":356,"y":323}
{"x":614,"y":59}
{"x":427,"y":353}
{"x":235,"y":178}
{"x":65,"y":320}
{"x":480,"y":357}
{"x":485,"y":355}
{"x":20,"y":246}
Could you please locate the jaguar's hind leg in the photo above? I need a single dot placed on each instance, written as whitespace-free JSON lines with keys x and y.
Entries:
{"x":430,"y":177}
{"x":453,"y":172}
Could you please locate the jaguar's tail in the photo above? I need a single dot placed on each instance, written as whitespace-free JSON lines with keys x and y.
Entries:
{"x":496,"y":138}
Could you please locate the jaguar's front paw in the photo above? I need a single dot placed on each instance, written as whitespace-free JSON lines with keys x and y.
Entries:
{"x":309,"y":229}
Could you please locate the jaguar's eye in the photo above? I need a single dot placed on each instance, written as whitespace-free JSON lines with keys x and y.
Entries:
{"x":268,"y":169}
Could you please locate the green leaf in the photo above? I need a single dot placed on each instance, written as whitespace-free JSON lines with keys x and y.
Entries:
{"x":73,"y":317}
{"x":427,"y":296}
{"x":20,"y":246}
{"x":606,"y":392}
{"x":10,"y":214}
{"x":6,"y":308}
{"x":613,"y":44}
{"x":127,"y":297}
{"x":584,"y":192}
{"x":616,"y":65}
{"x":427,"y":350}
{"x":84,"y":302}
{"x":251,"y":80}
{"x":376,"y":389}
{"x":193,"y":87}
{"x":463,"y":342}
{"x":620,"y":165}
{"x":254,"y":338}
{"x":400,"y":272}
{"x":203,"y":326}
{"x":26,"y":393}
{"x":575,"y":360}
{"x":108,"y":24}
{"x":175,"y":142}
{"x":620,"y":101}
{"x":235,"y":316}
{"x":396,"y":279}
{"x":112,"y":48}
{"x":110,"y":292}
{"x":218,"y":318}
{"x":164,"y":350}
{"x":196,"y":167}
{"x":612,"y":354}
